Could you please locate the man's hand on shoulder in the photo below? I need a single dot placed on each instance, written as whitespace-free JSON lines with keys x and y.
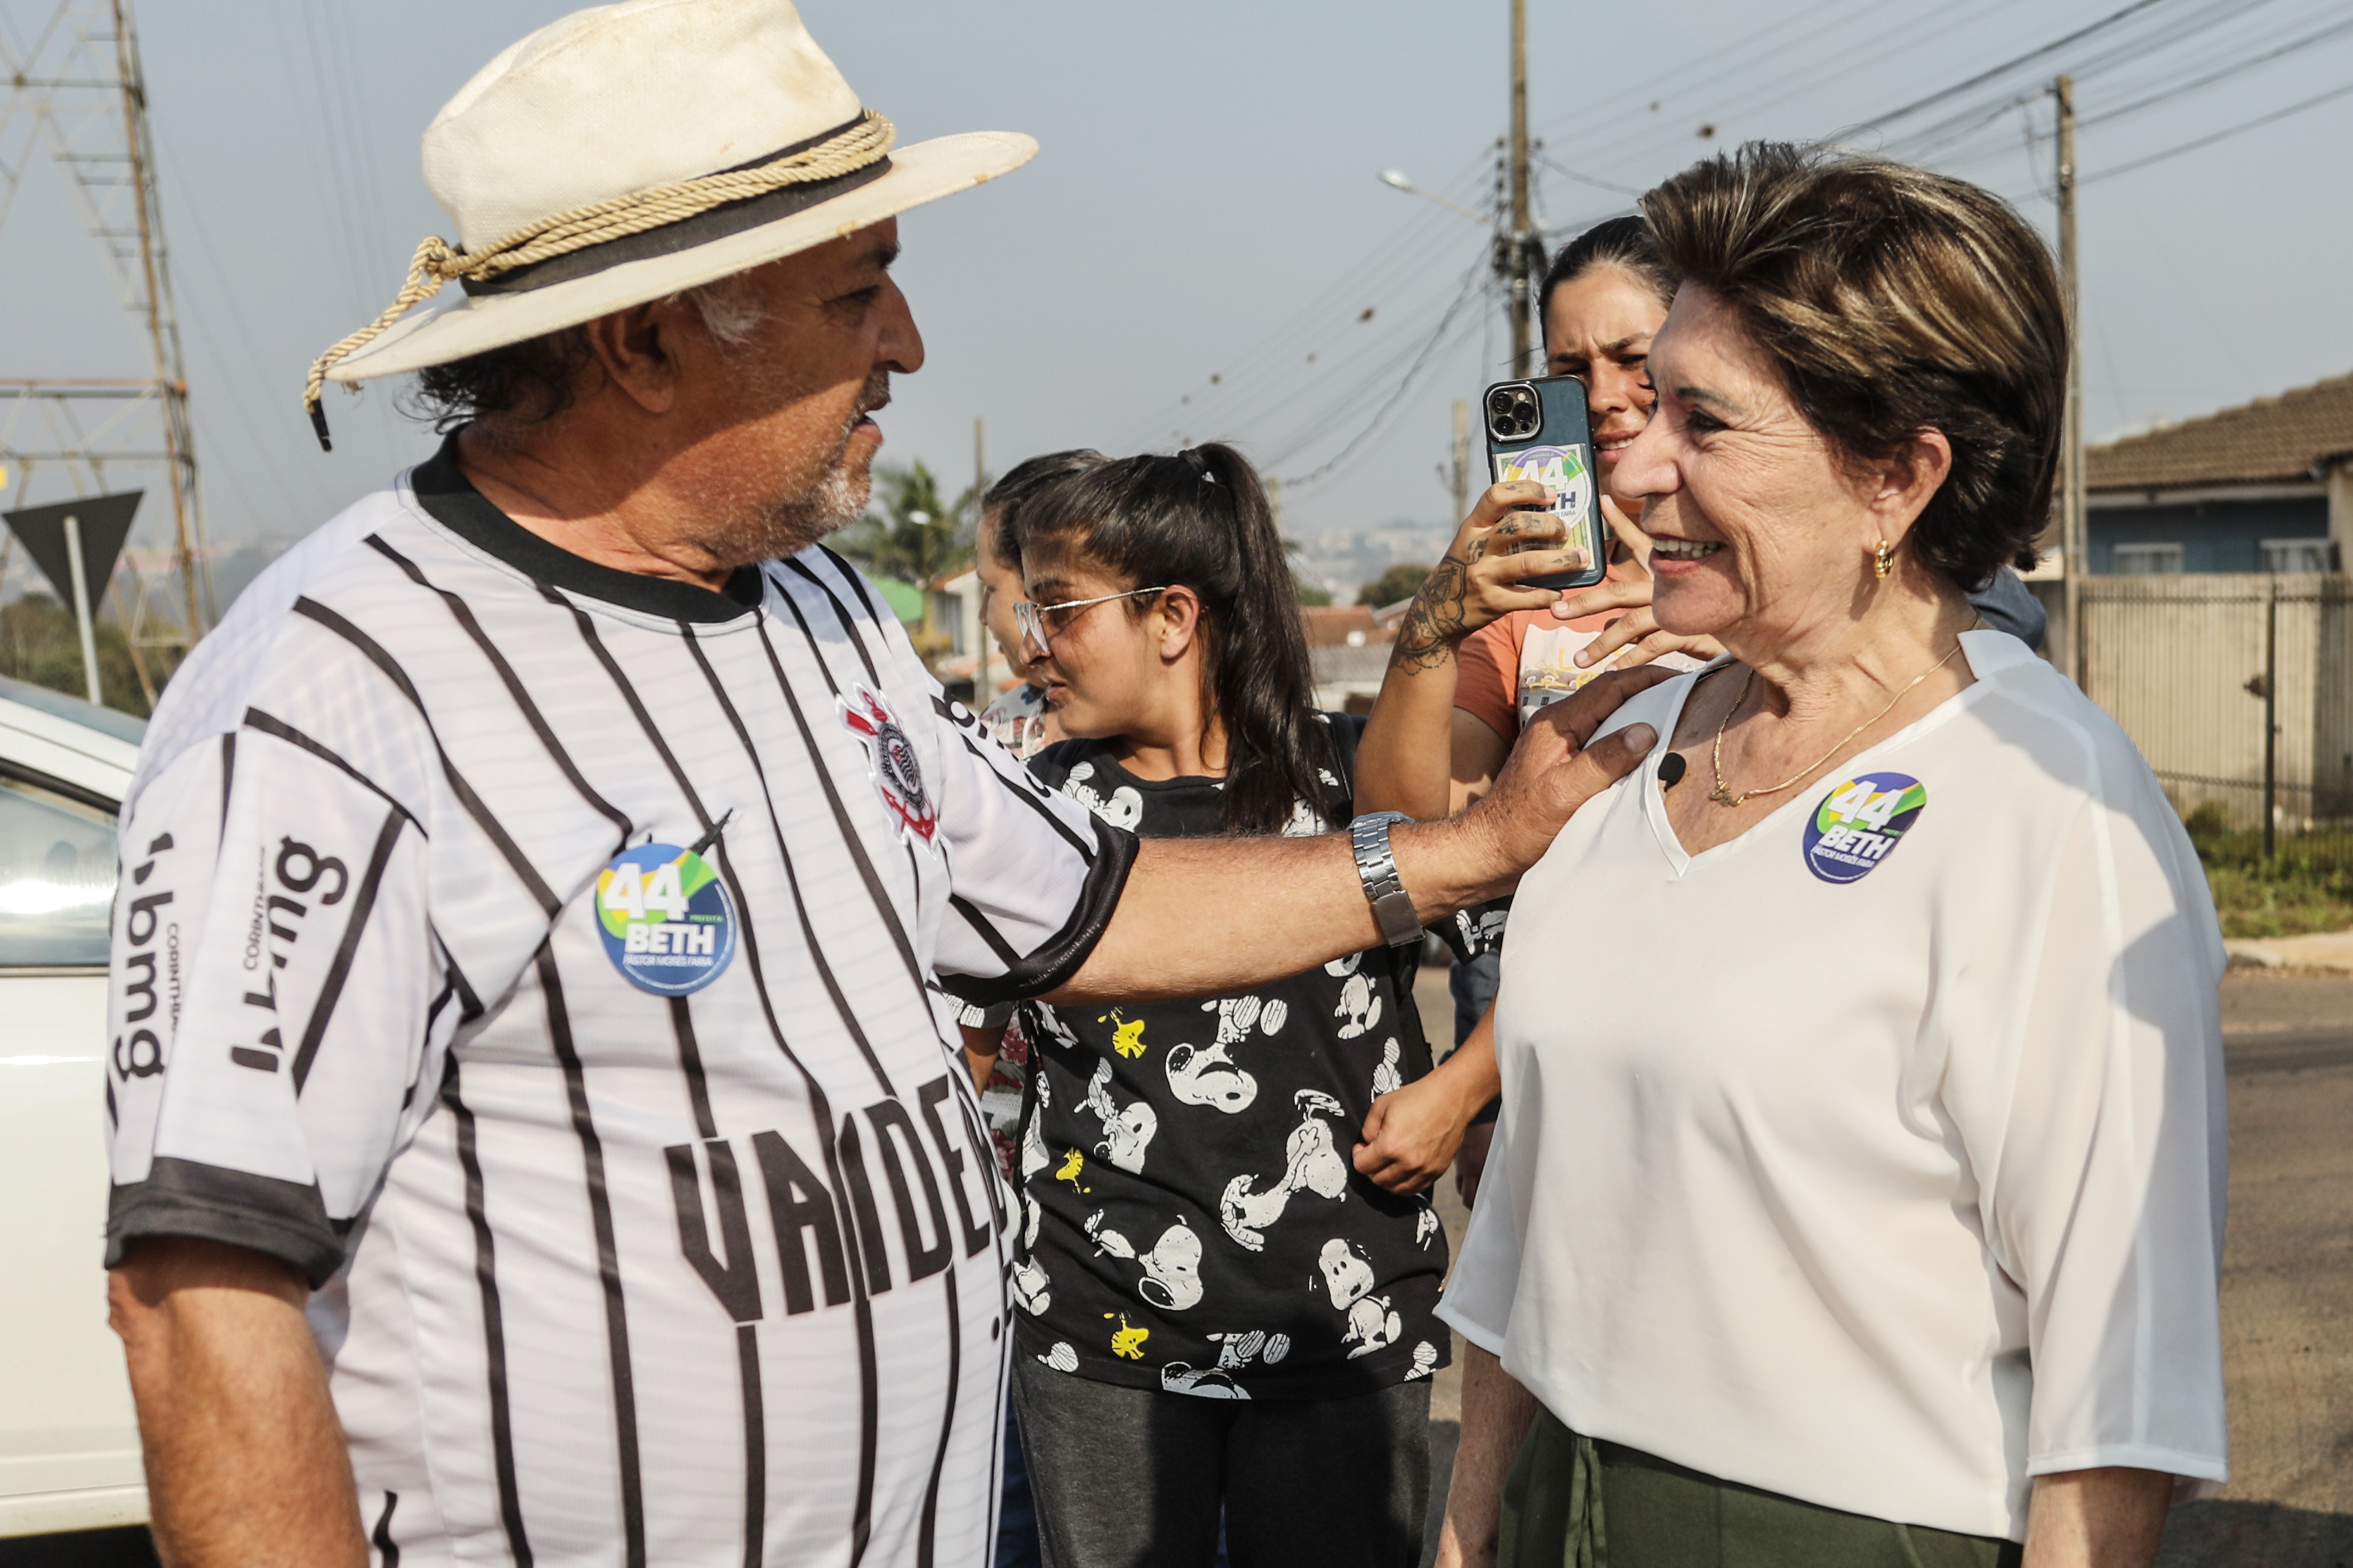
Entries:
{"x":1556,"y":768}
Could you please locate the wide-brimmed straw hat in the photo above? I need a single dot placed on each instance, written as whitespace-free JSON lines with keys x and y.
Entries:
{"x":629,"y":151}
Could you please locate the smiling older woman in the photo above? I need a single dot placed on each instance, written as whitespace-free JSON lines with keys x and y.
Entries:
{"x":1882,"y":1226}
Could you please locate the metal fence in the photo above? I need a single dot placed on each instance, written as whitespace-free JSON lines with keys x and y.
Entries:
{"x":2238,"y":689}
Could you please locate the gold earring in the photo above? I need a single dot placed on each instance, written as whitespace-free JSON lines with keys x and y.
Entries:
{"x":1882,"y":560}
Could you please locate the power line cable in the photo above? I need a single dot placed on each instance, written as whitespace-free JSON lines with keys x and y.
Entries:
{"x":2223,"y":135}
{"x":1469,"y":289}
{"x":2224,"y":74}
{"x":2041,"y":52}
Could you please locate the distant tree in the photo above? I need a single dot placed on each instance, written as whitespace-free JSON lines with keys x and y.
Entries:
{"x":918,"y":536}
{"x":1398,"y":582}
{"x":1309,"y":594}
{"x":39,"y":643}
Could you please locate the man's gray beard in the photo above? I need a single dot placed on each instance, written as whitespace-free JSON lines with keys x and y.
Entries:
{"x":837,"y":498}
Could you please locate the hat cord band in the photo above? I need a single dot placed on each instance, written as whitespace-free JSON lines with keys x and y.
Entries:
{"x":864,"y":142}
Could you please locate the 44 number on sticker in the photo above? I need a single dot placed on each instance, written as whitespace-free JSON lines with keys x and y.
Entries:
{"x":1862,"y":804}
{"x":632,"y":892}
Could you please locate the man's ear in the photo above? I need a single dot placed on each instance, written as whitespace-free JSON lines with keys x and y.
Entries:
{"x":1180,"y":613}
{"x":635,"y":349}
{"x":1908,"y":480}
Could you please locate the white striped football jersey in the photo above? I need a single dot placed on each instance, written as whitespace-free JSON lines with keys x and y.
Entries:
{"x":548,"y":961}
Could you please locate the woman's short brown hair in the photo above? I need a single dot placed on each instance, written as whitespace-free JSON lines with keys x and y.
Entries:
{"x":1891,"y":300}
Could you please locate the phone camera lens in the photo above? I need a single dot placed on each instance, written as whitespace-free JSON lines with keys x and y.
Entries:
{"x":1513,"y":413}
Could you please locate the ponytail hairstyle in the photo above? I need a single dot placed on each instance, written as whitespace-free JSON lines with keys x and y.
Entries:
{"x":1200,"y":519}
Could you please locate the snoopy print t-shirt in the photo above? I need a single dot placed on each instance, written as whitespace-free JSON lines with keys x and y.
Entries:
{"x":1191,"y":1220}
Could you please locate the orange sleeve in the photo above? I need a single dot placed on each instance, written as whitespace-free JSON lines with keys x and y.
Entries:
{"x":1487,"y":674}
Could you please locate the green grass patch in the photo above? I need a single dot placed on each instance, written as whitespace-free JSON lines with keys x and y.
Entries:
{"x":2306,"y":886}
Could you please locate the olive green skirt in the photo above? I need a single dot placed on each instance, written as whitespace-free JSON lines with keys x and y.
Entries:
{"x":1571,"y":1502}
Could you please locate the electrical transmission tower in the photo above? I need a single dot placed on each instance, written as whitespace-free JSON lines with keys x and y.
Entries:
{"x":72,"y":95}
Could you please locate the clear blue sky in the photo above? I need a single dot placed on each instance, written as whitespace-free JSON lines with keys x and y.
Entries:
{"x":1205,"y":206}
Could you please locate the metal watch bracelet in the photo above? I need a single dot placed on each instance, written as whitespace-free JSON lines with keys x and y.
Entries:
{"x":1377,"y":868}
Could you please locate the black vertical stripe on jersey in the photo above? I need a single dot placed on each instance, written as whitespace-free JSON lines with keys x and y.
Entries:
{"x":463,"y":614}
{"x":473,"y":804}
{"x":856,"y":579}
{"x":442,"y":998}
{"x":926,"y":1544}
{"x":609,"y":1258}
{"x":825,"y":974}
{"x":469,"y":1005}
{"x":690,"y":1061}
{"x":857,"y":845}
{"x":1036,"y":803}
{"x":339,"y":969}
{"x":819,"y":1109}
{"x":756,"y":1446}
{"x":852,"y":632}
{"x":276,"y":729}
{"x":388,"y":1549}
{"x":868,"y":1216}
{"x":228,"y":774}
{"x":848,"y":625}
{"x":870,"y":1414}
{"x":1006,"y":953}
{"x":494,"y":1333}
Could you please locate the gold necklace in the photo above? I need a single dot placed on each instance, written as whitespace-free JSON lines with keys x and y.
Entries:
{"x":1723,"y":796}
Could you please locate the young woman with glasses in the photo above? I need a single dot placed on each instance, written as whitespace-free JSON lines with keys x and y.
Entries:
{"x":1220,"y":1318}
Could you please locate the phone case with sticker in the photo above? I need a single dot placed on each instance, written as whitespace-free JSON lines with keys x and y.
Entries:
{"x":1537,"y":430}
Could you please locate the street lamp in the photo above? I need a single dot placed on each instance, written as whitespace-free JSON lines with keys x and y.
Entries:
{"x":1397,"y":180}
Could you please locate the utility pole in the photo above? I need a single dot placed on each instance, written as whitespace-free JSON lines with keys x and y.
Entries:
{"x":1514,"y":249}
{"x":980,"y":687}
{"x":2076,"y":556}
{"x":76,"y":92}
{"x":162,"y":331}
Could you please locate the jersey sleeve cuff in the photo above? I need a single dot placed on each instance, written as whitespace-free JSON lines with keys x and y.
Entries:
{"x":1067,"y":951}
{"x":278,"y":1218}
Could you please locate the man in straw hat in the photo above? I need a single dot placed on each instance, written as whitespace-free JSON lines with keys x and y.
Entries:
{"x":540,"y":892}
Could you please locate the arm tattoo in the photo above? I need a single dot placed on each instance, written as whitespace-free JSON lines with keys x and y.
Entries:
{"x":1437,"y":619}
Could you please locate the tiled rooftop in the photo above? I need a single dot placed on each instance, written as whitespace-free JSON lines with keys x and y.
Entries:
{"x":2272,"y":440}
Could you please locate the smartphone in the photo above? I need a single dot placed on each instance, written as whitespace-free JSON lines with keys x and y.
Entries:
{"x":1537,"y":430}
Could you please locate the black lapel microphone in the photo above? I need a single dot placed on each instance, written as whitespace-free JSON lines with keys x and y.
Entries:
{"x":1671,"y":770}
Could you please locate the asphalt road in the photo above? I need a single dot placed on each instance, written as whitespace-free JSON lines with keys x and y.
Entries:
{"x":2287,"y":1285}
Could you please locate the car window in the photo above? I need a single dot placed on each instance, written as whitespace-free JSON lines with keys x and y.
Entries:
{"x":56,"y":878}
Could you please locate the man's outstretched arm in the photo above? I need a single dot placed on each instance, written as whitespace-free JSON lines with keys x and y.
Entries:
{"x":245,"y":1463}
{"x":1212,"y":916}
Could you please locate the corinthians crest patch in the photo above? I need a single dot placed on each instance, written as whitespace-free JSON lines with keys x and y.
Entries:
{"x":891,"y":758}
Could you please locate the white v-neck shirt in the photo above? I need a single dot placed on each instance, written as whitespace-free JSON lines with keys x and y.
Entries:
{"x":1888,"y":1192}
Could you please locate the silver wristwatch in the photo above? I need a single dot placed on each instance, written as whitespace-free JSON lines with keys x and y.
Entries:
{"x":1377,"y":868}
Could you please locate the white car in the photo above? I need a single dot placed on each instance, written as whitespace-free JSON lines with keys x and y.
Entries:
{"x":69,"y":1439}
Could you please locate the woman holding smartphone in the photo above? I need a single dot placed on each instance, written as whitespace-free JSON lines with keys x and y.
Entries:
{"x":1220,"y":1318}
{"x":1480,"y":651}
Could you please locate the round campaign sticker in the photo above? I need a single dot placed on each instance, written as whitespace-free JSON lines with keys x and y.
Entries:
{"x":668,"y":924}
{"x":1858,"y":824}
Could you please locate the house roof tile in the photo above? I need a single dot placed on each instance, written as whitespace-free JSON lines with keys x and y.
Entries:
{"x":2272,"y":440}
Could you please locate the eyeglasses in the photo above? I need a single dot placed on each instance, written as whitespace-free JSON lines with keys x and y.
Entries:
{"x":1039,"y":622}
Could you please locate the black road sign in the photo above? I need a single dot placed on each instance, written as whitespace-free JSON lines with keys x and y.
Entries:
{"x":104,"y":524}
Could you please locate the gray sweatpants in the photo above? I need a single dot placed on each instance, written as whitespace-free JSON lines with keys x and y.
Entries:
{"x":1133,"y":1477}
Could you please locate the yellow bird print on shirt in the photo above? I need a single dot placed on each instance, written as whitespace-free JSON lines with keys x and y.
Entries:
{"x":1072,"y":1163}
{"x":1127,"y":1342}
{"x":1126,"y":1034}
